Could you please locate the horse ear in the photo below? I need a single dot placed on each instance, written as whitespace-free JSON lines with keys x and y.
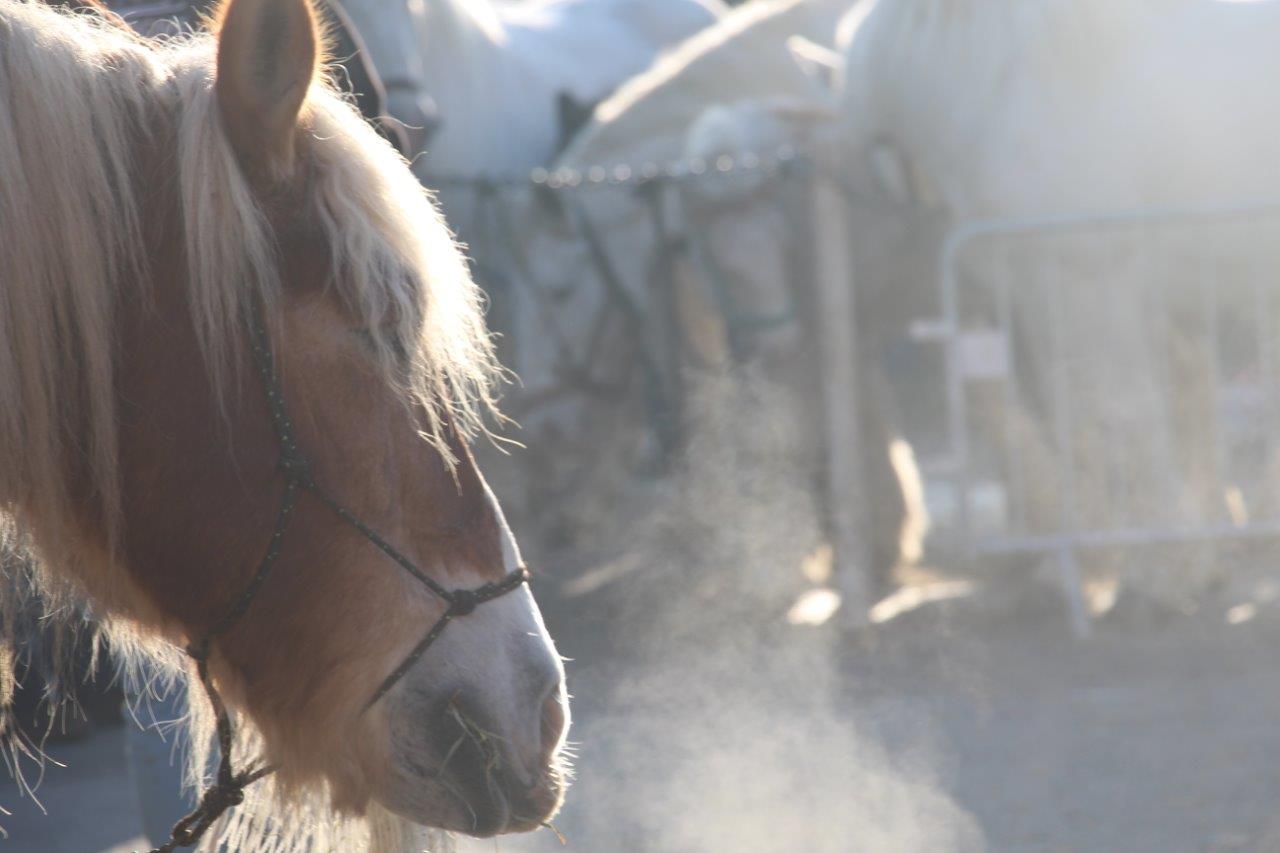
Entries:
{"x":268,"y":54}
{"x":572,"y":115}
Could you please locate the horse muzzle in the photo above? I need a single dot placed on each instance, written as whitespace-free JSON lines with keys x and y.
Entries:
{"x":506,"y":775}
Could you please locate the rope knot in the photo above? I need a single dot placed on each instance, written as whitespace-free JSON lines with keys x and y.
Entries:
{"x":462,"y":602}
{"x":220,"y":798}
{"x":215,"y":802}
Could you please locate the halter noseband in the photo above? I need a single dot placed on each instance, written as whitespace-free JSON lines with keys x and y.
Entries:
{"x":228,"y":788}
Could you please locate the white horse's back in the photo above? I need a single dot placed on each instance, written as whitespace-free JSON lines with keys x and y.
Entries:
{"x":587,"y":48}
{"x":1057,"y":107}
{"x":744,"y":56}
{"x":497,"y":76}
{"x":1210,"y":117}
{"x":600,"y":27}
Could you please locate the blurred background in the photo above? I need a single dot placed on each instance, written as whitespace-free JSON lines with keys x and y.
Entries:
{"x":897,"y":412}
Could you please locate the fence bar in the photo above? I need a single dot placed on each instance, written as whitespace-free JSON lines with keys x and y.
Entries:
{"x":833,"y":290}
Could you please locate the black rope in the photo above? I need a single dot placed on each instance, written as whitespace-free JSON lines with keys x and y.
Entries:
{"x":461,"y":603}
{"x":287,"y":503}
{"x":227,"y":790}
{"x":381,"y":544}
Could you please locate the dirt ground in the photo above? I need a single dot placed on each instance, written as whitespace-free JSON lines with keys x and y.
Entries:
{"x":1159,"y":733}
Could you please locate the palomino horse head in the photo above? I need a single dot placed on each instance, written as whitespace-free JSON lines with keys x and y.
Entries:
{"x":150,"y":196}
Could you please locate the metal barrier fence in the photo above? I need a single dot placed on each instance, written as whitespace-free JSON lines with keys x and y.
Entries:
{"x":1109,"y":382}
{"x":1098,"y":383}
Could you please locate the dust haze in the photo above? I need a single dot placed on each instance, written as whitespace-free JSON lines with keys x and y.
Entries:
{"x":729,"y":729}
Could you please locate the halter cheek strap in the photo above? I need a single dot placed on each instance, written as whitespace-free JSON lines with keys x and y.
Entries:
{"x":227,"y":790}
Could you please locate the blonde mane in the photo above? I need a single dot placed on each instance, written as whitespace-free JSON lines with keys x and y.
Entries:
{"x":76,"y":95}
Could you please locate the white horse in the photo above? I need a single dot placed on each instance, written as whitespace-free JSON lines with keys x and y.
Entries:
{"x":393,"y":48}
{"x":743,"y":87}
{"x":498,"y":72}
{"x":1052,"y":108}
{"x":511,"y":81}
{"x":648,"y":121}
{"x":748,"y":55}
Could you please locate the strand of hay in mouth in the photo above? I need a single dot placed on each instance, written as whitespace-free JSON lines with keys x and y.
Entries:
{"x":485,"y":741}
{"x":546,"y":824}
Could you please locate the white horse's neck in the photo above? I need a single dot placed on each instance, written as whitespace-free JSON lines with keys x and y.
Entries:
{"x":456,"y":28}
{"x":466,"y":63}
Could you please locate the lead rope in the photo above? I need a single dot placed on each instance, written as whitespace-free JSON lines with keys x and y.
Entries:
{"x":227,"y":791}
